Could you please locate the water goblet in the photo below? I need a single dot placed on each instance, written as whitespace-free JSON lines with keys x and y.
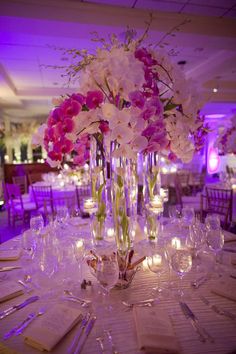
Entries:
{"x":215,"y":242}
{"x":197,"y":240}
{"x":175,"y":213}
{"x":188,"y":215}
{"x":212,"y":221}
{"x":158,"y":264}
{"x":36,"y":223}
{"x":181,"y":263}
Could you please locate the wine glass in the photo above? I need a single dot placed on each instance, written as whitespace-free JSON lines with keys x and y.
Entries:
{"x":62,"y":214}
{"x":158,"y":264}
{"x":36,"y":223}
{"x":175,"y":213}
{"x":212,"y":221}
{"x":188,"y":215}
{"x":197,"y":240}
{"x":105,"y":269}
{"x":181,"y":263}
{"x":215,"y":242}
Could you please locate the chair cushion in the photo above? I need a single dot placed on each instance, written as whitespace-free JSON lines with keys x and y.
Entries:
{"x":191,"y":199}
{"x":27,"y":206}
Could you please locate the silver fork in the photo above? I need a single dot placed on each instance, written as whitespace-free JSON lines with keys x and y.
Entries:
{"x":148,"y":302}
{"x":217,"y":309}
{"x":109,"y":336}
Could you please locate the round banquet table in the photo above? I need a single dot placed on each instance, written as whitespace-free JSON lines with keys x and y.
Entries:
{"x":57,"y":191}
{"x":121,"y":322}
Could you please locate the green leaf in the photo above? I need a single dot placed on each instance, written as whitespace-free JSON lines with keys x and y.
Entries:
{"x":120,"y":181}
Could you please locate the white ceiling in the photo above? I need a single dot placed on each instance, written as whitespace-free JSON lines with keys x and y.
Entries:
{"x":30,"y":30}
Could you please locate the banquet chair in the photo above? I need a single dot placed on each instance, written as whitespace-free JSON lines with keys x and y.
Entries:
{"x":69,"y":202}
{"x":81,"y":193}
{"x":43,"y":197}
{"x":19,"y":208}
{"x":21,"y":181}
{"x":220,"y":201}
{"x":7,"y":203}
{"x":34,"y":177}
{"x":191,"y":201}
{"x":183,"y":178}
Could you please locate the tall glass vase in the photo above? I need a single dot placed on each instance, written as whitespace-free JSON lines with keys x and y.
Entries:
{"x":124,"y":201}
{"x":153,"y":201}
{"x":98,"y":174}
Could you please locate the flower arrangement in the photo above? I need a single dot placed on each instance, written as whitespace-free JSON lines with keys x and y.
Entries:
{"x":130,"y":94}
{"x":227,"y":139}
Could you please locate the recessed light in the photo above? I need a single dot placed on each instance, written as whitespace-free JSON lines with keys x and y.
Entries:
{"x":215,"y":90}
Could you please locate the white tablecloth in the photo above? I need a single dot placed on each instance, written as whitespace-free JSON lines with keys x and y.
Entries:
{"x":121,"y":322}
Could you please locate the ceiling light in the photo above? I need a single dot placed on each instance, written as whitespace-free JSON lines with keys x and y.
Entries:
{"x":215,"y":90}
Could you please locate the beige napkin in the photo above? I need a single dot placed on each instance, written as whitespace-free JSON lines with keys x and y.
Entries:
{"x":10,"y":255}
{"x":49,"y":329}
{"x":225,"y":288}
{"x":9,"y":290}
{"x":154,"y":331}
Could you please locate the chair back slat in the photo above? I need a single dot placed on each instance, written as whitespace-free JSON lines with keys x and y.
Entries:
{"x":42,"y":195}
{"x":21,"y":181}
{"x":220,"y":201}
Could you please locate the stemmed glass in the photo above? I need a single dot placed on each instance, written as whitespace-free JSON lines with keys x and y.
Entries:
{"x":181,"y":263}
{"x":175,"y":213}
{"x":214,"y":239}
{"x":158,"y":264}
{"x":197,"y":238}
{"x":188,"y":215}
{"x":106,"y":270}
{"x":79,"y":253}
{"x":36,"y":223}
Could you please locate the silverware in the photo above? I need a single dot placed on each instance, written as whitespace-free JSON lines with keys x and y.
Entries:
{"x":26,"y":287}
{"x":148,"y":302}
{"x":18,"y":329}
{"x":217,"y":309}
{"x":201,"y":331}
{"x":71,"y":296}
{"x":100,"y":341}
{"x":85,"y":335}
{"x":14,"y":308}
{"x":198,"y":282}
{"x":113,"y":349}
{"x":79,"y":333}
{"x":8,"y":268}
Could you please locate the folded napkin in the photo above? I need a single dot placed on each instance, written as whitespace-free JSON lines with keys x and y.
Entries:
{"x":9,"y":290}
{"x":10,"y":255}
{"x":225,"y":288}
{"x":50,"y":328}
{"x":154,"y":331}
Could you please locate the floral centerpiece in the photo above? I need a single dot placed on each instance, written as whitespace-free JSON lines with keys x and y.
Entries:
{"x":227,"y":139}
{"x":131,"y":97}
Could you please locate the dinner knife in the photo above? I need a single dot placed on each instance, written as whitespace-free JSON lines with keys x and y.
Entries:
{"x":203,"y":334}
{"x":80,"y":331}
{"x":217,"y":309}
{"x":8,"y":268}
{"x":14,"y":308}
{"x":88,"y":329}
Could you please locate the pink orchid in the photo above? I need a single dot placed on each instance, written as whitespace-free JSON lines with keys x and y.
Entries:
{"x":68,"y":125}
{"x":71,"y":107}
{"x":94,"y":99}
{"x":137,"y":99}
{"x":104,"y":127}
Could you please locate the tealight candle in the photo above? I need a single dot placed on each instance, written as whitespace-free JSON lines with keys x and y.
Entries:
{"x":145,"y":264}
{"x":233,"y":186}
{"x":79,"y":243}
{"x":157,"y":259}
{"x":176,"y":243}
{"x":164,"y":194}
{"x":110,"y":232}
{"x":156,"y":202}
{"x":89,"y":203}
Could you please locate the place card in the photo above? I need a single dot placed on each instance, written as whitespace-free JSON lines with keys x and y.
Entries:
{"x":50,"y":328}
{"x":10,"y":255}
{"x":155,"y":332}
{"x":9,"y":290}
{"x":225,"y":288}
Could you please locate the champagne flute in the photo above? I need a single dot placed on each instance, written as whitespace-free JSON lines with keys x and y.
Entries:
{"x":181,"y":263}
{"x":215,"y":242}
